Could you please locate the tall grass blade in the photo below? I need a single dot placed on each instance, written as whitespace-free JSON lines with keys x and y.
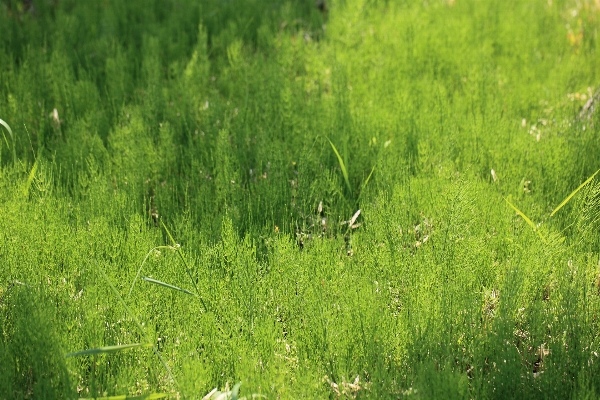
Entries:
{"x":168,"y":286}
{"x":30,"y":178}
{"x":107,"y":349}
{"x":342,"y":165}
{"x":368,"y":177}
{"x":565,"y":201}
{"x":526,"y":219}
{"x":168,"y":233}
{"x":365,"y":183}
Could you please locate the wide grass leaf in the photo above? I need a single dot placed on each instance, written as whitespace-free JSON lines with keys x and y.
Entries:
{"x":107,"y":349}
{"x":10,"y":132}
{"x":342,"y":165}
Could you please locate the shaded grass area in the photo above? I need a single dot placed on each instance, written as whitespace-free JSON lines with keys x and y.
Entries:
{"x":187,"y":181}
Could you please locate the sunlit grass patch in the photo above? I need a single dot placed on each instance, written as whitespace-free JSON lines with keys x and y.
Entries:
{"x":355,"y":199}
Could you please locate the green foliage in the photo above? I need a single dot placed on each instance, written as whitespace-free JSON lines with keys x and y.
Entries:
{"x":30,"y":347}
{"x":186,"y":176}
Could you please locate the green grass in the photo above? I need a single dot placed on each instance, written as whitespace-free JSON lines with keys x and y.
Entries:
{"x":258,"y":192}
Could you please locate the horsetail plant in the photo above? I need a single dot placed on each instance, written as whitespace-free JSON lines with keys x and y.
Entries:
{"x":141,"y":329}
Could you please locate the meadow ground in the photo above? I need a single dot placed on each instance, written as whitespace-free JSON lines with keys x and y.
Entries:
{"x":179,"y":199}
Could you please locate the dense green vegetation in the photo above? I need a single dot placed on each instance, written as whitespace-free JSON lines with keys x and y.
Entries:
{"x":185,"y":177}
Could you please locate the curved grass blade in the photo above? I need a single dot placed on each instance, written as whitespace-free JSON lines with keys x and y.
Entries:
{"x":125,"y":397}
{"x":565,"y":201}
{"x":168,"y":286}
{"x":354,"y":217}
{"x":107,"y":349}
{"x":342,"y":165}
{"x":12,"y":139}
{"x":526,"y":219}
{"x":10,"y":132}
{"x":235,"y":392}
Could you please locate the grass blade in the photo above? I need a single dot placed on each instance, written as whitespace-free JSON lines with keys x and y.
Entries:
{"x":107,"y":349}
{"x":10,"y":132}
{"x":526,"y":219}
{"x":342,"y":165}
{"x":168,"y":285}
{"x":565,"y":201}
{"x":12,"y":139}
{"x":368,"y":177}
{"x":168,"y":233}
{"x":354,"y":217}
{"x":30,"y":178}
{"x":235,"y":392}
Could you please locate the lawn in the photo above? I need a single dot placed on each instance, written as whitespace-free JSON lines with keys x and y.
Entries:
{"x":370,"y":199}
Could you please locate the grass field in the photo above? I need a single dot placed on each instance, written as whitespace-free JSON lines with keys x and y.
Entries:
{"x":181,"y":181}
